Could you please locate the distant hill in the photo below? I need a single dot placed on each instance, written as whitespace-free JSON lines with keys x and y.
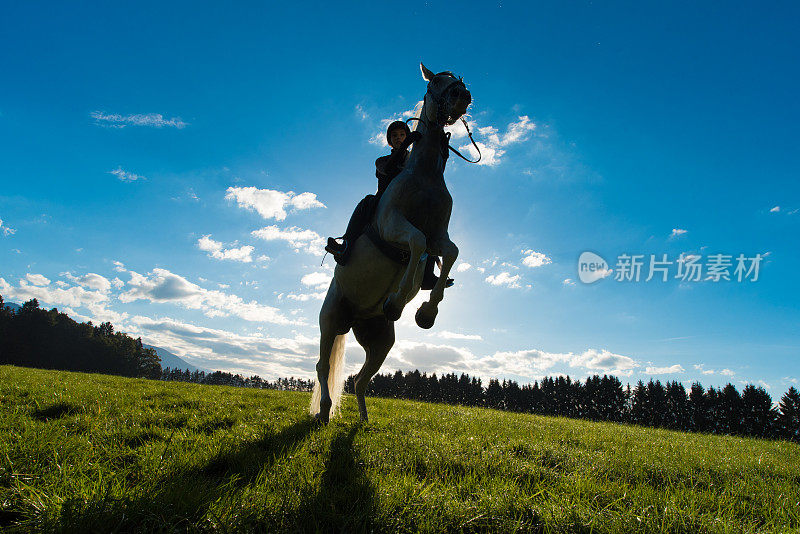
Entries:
{"x":172,"y":361}
{"x":168,"y":359}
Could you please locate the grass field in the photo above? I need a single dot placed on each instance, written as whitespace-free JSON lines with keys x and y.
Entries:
{"x":81,"y":452}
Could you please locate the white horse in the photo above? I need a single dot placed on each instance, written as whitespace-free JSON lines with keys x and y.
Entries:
{"x":369,"y":292}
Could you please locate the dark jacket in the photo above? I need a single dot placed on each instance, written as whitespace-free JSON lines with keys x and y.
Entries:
{"x":387,"y":167}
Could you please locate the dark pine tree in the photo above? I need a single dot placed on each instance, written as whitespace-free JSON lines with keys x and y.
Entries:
{"x":789,"y":419}
{"x":698,"y":416}
{"x":677,"y":407}
{"x":758,"y":415}
{"x":638,"y":413}
{"x":730,"y":410}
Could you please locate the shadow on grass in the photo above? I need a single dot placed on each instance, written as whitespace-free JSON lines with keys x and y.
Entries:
{"x":181,"y":499}
{"x":56,"y":411}
{"x":346,"y":500}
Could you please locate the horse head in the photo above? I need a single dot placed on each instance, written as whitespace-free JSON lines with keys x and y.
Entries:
{"x":447,"y":96}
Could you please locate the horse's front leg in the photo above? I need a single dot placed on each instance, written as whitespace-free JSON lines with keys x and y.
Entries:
{"x":399,"y":230}
{"x":426,"y":314}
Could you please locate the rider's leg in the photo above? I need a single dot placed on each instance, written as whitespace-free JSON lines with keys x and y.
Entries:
{"x":358,"y":220}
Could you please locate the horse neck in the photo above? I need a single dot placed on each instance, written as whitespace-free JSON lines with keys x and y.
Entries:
{"x":426,"y":160}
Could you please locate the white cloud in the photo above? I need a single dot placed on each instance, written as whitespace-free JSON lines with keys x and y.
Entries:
{"x":75,"y":296}
{"x":534,"y":259}
{"x":119,"y":267}
{"x":534,"y":363}
{"x":701,"y":367}
{"x":116,"y":282}
{"x":379,"y":139}
{"x":504,"y":279}
{"x":677,"y":232}
{"x":492,"y":146}
{"x":91,"y":281}
{"x":664,"y":370}
{"x":154,"y":120}
{"x":604,"y":361}
{"x":727,"y":372}
{"x":37,"y":279}
{"x":568,"y":282}
{"x":776,"y":209}
{"x":455,"y":335}
{"x":215,"y":250}
{"x":318,"y":280}
{"x":463,"y":266}
{"x":516,"y":132}
{"x":304,"y":297}
{"x":165,"y":287}
{"x":764,"y":384}
{"x":223,"y":350}
{"x":271,"y":204}
{"x":96,"y":302}
{"x":126,"y":176}
{"x":428,"y":357}
{"x":490,"y":155}
{"x":297,"y":238}
{"x":6,"y":230}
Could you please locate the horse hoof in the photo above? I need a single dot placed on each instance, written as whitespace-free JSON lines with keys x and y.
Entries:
{"x":320,"y":419}
{"x":390,"y":311}
{"x":425,"y":318}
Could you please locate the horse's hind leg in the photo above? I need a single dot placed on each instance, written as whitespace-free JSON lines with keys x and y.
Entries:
{"x":377,"y":337}
{"x":426,"y":314}
{"x":327,"y":339}
{"x":333,"y":322}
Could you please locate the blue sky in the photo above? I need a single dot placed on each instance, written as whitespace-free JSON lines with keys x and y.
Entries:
{"x":174,"y":168}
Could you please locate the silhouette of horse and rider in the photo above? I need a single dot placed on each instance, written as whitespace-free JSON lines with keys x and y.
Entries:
{"x":391,"y":244}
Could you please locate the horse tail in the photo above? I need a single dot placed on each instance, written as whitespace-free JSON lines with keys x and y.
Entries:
{"x":336,"y":378}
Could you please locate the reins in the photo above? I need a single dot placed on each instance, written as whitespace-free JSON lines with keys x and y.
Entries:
{"x":457,"y":153}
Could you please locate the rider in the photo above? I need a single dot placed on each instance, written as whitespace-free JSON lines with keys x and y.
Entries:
{"x":399,"y":137}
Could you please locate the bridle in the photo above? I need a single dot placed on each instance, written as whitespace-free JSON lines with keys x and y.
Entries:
{"x":441,"y":112}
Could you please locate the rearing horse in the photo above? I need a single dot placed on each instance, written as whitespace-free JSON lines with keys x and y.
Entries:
{"x":369,"y":292}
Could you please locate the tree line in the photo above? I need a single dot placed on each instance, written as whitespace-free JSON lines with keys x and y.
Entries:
{"x":221,"y":378}
{"x":35,"y":337}
{"x":662,"y":405}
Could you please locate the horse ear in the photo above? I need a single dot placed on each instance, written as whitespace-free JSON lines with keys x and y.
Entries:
{"x":426,"y":74}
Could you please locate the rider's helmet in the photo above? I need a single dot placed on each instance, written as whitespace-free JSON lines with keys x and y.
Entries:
{"x":396,"y":125}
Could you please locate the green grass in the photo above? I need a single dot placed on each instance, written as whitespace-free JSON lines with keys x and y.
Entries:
{"x":81,"y":452}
